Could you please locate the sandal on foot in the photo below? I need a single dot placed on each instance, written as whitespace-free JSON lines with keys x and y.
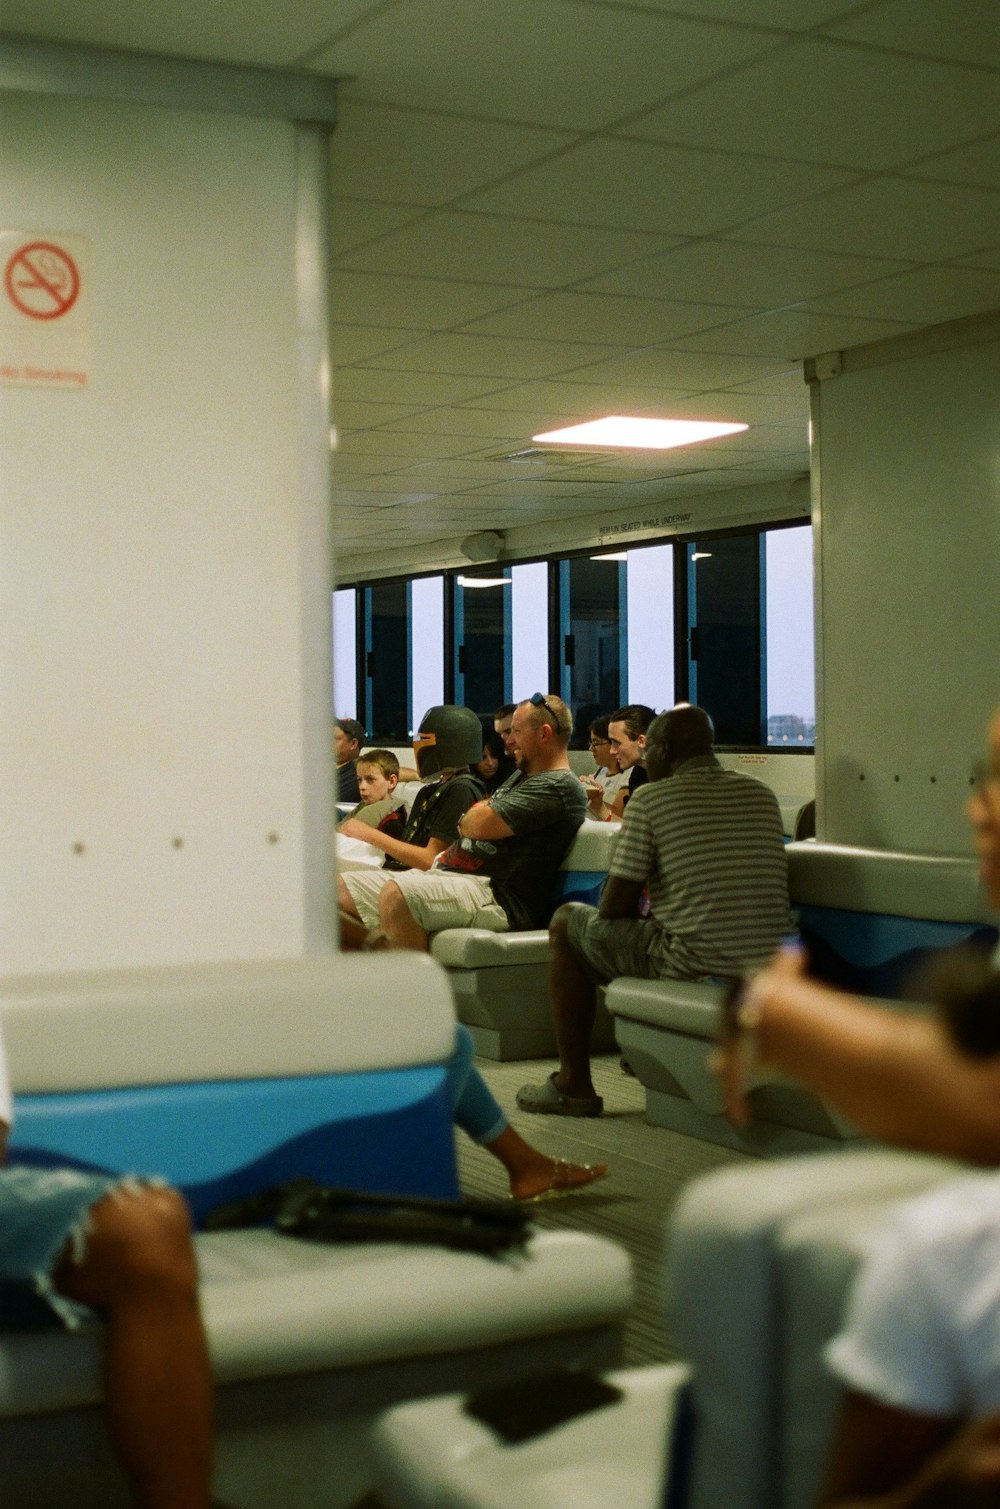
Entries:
{"x":548,"y":1098}
{"x":562,"y":1184}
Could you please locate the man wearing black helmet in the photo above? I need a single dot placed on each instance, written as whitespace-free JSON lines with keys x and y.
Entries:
{"x":450,"y":739}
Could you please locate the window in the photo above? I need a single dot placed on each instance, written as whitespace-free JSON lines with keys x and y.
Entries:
{"x":426,"y":646}
{"x":649,"y":587}
{"x":345,"y":652}
{"x":724,"y":634}
{"x":529,"y":631}
{"x":482,"y":641}
{"x":791,"y":677}
{"x":387,"y":660}
{"x":725,"y":620}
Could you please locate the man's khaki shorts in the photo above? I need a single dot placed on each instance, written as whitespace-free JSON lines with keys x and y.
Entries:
{"x":436,"y":899}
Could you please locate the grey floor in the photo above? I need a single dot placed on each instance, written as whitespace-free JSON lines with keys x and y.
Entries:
{"x":649,"y":1168}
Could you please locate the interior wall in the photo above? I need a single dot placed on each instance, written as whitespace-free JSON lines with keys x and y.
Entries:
{"x":151,"y":649}
{"x":907,"y":510}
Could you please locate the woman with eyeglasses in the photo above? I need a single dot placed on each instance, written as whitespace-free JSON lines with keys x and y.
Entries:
{"x":604,"y":785}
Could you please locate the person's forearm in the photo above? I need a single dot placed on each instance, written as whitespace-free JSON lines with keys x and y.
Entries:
{"x":414,"y":856}
{"x":895,"y":1077}
{"x":481,"y":821}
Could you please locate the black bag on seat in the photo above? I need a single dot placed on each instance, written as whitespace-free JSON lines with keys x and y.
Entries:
{"x":303,"y":1208}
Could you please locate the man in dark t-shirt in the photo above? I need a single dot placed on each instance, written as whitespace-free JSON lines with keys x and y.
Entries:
{"x":501,"y":870}
{"x":348,"y":736}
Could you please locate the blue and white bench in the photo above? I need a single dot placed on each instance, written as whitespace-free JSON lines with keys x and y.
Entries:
{"x":221,"y":1079}
{"x":869,"y":917}
{"x":500,"y":980}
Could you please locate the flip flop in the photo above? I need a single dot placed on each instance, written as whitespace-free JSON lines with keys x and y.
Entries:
{"x":559,"y":1185}
{"x":547,"y":1098}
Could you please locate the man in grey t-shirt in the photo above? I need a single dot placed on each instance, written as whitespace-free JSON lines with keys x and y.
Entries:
{"x":708,"y":846}
{"x":501,"y":870}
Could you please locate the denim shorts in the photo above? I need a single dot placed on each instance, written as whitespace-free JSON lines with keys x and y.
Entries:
{"x":44,"y":1212}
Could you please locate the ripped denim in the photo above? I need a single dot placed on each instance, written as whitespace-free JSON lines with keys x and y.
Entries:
{"x":42,"y":1213}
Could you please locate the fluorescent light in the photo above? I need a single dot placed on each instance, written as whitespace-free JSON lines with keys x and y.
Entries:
{"x":701,"y":555}
{"x":615,"y":555}
{"x":483,"y":581}
{"x":618,"y":430}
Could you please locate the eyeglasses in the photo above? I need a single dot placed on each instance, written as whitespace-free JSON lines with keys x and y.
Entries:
{"x":596,"y":743}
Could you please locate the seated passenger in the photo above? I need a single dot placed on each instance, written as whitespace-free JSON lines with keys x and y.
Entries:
{"x":448,"y":742}
{"x":379,"y":807}
{"x":708,"y":843}
{"x":495,"y":765}
{"x":348,"y":737}
{"x":900,"y":1078}
{"x":502,"y":720}
{"x":627,"y":728}
{"x":72,"y":1242}
{"x":501,"y":870}
{"x":603,"y":786}
{"x":919,"y":1356}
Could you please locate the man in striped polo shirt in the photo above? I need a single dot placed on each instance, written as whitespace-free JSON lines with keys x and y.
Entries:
{"x":708,"y":844}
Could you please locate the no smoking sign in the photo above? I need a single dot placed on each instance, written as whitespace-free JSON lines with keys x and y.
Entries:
{"x":44,"y":310}
{"x":42,"y":280}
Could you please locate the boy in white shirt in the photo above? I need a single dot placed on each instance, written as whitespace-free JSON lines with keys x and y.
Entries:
{"x":72,"y":1242}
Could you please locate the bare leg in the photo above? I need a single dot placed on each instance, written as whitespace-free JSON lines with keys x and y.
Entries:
{"x":532,"y":1173}
{"x":573,"y":997}
{"x":139,"y":1272}
{"x":398,"y":923}
{"x":353,"y":933}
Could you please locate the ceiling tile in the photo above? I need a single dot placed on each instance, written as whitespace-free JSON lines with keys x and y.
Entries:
{"x":889,"y":217}
{"x":353,"y":343}
{"x":367,"y":385}
{"x":571,"y":65}
{"x":988,"y":257}
{"x":679,"y":371}
{"x":728,"y":272}
{"x":644,"y":186}
{"x":615,"y":321}
{"x":928,"y":295}
{"x":978,"y":163}
{"x":804,"y":101}
{"x":425,"y":159}
{"x":792,"y":333}
{"x":966,"y":31}
{"x":361,"y":298}
{"x":790,"y":15}
{"x":411,"y":445}
{"x":482,"y":248}
{"x":363,"y":416}
{"x":573,"y":401}
{"x":491,"y":357}
{"x":232,"y":31}
{"x":354,"y":222}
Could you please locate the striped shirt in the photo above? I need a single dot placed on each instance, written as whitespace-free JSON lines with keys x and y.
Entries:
{"x":709,"y":843}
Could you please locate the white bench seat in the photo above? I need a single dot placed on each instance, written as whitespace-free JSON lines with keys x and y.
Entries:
{"x":868,"y":916}
{"x":500,"y":980}
{"x":308,"y":1342}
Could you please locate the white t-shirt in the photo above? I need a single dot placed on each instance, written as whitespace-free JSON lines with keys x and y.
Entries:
{"x":6,"y":1104}
{"x":922,"y":1331}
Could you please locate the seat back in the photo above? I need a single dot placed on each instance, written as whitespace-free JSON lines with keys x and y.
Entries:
{"x":224,"y":1078}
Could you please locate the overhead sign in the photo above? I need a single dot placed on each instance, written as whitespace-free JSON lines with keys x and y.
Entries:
{"x":44,"y":310}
